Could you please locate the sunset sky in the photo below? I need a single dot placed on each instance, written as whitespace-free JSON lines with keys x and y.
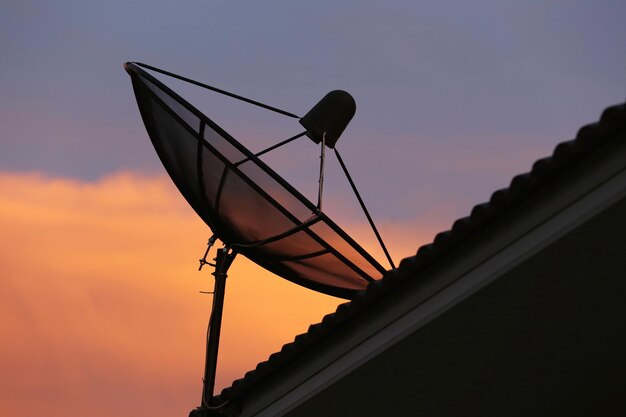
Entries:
{"x":100,"y":310}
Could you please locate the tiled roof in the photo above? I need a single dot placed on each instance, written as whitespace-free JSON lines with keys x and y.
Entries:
{"x":566,"y":156}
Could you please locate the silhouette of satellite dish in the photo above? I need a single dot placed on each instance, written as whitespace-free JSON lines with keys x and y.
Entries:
{"x":247,"y":205}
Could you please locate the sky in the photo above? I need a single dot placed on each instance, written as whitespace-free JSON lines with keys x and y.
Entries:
{"x":100,"y":310}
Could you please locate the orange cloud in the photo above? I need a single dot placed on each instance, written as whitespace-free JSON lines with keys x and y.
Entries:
{"x":99,"y":307}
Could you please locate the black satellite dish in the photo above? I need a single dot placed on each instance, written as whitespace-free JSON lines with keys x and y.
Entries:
{"x":247,"y":205}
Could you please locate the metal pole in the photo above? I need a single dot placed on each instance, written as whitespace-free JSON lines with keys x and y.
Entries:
{"x":223,"y":261}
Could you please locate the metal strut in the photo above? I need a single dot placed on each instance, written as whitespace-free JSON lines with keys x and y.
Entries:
{"x":367,"y":214}
{"x":271,"y":148}
{"x":217,"y":90}
{"x":222,"y":262}
{"x":209,"y":244}
{"x":321,"y":180}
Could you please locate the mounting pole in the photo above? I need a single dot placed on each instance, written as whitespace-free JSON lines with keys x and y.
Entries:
{"x":222,"y":263}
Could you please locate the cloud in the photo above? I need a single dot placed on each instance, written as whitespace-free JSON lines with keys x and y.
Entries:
{"x":99,"y":306}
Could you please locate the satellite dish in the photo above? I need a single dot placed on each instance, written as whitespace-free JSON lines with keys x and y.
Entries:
{"x":247,"y":205}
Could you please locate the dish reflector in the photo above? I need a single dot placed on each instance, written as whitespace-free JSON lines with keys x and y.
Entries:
{"x":246,"y":204}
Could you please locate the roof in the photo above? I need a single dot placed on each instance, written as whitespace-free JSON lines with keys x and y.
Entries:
{"x":566,"y":158}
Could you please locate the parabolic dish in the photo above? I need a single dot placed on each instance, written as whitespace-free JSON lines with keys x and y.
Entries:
{"x":245,"y":202}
